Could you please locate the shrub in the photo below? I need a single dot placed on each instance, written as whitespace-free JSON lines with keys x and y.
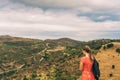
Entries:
{"x":34,"y":75}
{"x":25,"y":78}
{"x":73,"y":51}
{"x":104,"y":47}
{"x":110,"y":75}
{"x":118,"y":50}
{"x":113,"y":66}
{"x":110,"y":45}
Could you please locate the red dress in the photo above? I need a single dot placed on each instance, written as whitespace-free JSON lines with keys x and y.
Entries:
{"x":87,"y":73}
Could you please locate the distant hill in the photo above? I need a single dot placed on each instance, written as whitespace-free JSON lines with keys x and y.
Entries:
{"x":63,"y":42}
{"x":8,"y":38}
{"x":56,"y":59}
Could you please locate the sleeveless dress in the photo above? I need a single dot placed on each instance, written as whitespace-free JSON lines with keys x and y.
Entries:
{"x":87,"y":73}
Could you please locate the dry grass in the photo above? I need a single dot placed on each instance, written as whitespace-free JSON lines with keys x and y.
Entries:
{"x":106,"y":59}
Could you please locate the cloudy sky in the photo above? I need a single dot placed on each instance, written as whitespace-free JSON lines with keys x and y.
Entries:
{"x":52,"y":19}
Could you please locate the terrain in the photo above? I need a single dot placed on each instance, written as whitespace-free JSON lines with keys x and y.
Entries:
{"x":109,"y":61}
{"x":54,"y":59}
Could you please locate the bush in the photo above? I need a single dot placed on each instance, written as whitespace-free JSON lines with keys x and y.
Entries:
{"x":25,"y":78}
{"x":110,"y":45}
{"x":118,"y":50}
{"x":73,"y":51}
{"x":104,"y":47}
{"x":9,"y":73}
{"x":113,"y":66}
{"x":110,"y":75}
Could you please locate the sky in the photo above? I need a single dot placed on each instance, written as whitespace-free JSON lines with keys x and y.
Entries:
{"x":82,"y":20}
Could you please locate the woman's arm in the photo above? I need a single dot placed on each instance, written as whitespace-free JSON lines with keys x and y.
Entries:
{"x":81,"y":65}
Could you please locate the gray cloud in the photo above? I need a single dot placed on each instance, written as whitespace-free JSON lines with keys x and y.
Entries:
{"x":78,"y":19}
{"x":92,"y":9}
{"x":84,"y":5}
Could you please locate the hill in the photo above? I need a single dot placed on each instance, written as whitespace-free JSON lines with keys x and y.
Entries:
{"x":57,"y":59}
{"x":109,"y":61}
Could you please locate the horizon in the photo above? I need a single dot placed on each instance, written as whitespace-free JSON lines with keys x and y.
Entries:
{"x":60,"y":38}
{"x":81,"y":20}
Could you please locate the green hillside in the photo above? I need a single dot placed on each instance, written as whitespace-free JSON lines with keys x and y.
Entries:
{"x":34,"y":59}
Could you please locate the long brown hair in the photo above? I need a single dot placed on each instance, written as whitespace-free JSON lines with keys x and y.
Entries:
{"x":88,"y":50}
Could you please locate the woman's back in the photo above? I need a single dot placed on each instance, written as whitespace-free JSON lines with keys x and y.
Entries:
{"x":87,"y":64}
{"x":87,"y":73}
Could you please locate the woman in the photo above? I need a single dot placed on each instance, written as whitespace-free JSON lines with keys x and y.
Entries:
{"x":86,"y":63}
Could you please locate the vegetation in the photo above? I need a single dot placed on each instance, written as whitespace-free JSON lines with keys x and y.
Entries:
{"x":97,"y":44}
{"x":118,"y":50}
{"x":73,"y":51}
{"x":30,"y":59}
{"x":110,"y":45}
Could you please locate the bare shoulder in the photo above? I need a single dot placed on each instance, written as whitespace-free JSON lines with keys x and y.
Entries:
{"x":83,"y":57}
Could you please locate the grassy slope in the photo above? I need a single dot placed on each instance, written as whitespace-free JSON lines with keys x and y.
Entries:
{"x":34,"y":58}
{"x":107,"y":58}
